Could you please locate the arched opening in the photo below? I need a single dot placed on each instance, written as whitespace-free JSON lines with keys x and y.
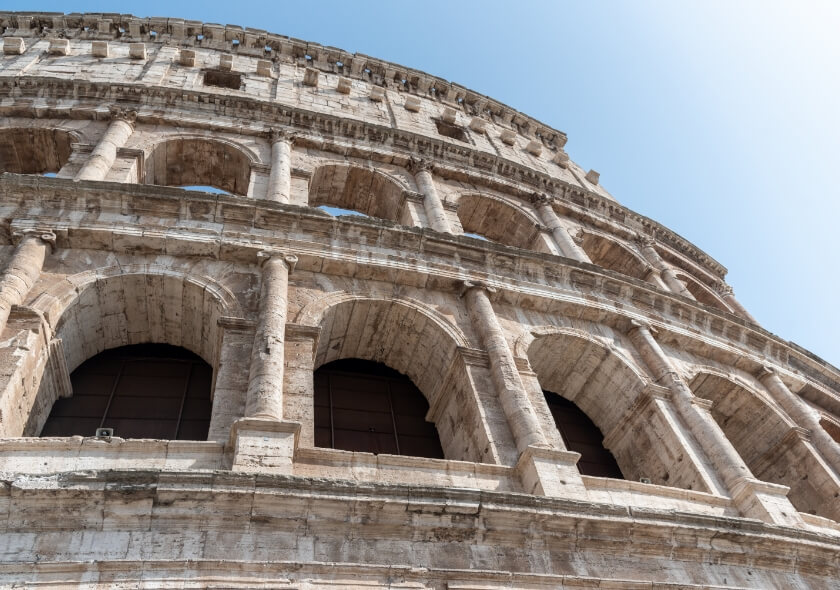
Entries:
{"x":140,"y":391}
{"x":613,"y":256}
{"x":702,"y":293}
{"x":497,"y":221}
{"x":108,"y":308}
{"x":197,"y":162}
{"x":602,"y":402}
{"x":769,"y":443}
{"x":363,"y":190}
{"x":34,"y":150}
{"x":581,"y":435}
{"x":366,"y":406}
{"x":420,"y":344}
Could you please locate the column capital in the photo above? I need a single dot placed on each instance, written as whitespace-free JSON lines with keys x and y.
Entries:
{"x":723,"y":289}
{"x":644,"y":240}
{"x":467,"y":286}
{"x":264,"y":256}
{"x":416,"y":165}
{"x":636,"y":324}
{"x":651,"y":270}
{"x":766,"y":371}
{"x":45,"y":235}
{"x":281,"y":134}
{"x":540,"y":199}
{"x":122,"y":114}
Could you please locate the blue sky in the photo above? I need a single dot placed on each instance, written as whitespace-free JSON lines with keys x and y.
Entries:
{"x":718,"y":119}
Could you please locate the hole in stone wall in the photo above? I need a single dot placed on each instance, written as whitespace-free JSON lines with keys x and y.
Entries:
{"x":366,"y":406}
{"x":206,"y":188}
{"x":141,"y":391}
{"x":221,"y":79}
{"x":338,"y":211}
{"x":199,"y":37}
{"x":450,"y":130}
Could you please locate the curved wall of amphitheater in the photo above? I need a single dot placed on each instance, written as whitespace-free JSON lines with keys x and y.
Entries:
{"x":726,"y":434}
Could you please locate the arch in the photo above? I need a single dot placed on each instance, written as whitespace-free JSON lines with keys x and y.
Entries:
{"x":414,"y":340}
{"x":702,"y":293}
{"x":34,"y":150}
{"x":497,"y":220}
{"x":117,"y":306}
{"x":614,"y":256}
{"x":613,"y":393}
{"x":200,"y":161}
{"x":365,"y":190}
{"x":768,"y":441}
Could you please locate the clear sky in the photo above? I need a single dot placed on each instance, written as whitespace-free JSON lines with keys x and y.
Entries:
{"x":718,"y":119}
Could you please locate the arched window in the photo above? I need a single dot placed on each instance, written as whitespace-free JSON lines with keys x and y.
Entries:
{"x":199,"y":163}
{"x":141,"y":391}
{"x":613,"y":256}
{"x":497,"y":221}
{"x":363,"y":190}
{"x":34,"y":150}
{"x":366,"y":406}
{"x":582,"y":436}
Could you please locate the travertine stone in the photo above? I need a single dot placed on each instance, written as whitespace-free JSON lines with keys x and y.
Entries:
{"x":431,"y":201}
{"x":59,"y":46}
{"x":568,"y":247}
{"x":280,"y":180}
{"x":729,"y":469}
{"x":517,"y":407}
{"x":105,"y":152}
{"x":23,"y":269}
{"x":265,"y":383}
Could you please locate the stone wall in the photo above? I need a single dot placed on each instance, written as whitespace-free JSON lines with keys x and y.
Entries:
{"x":723,"y":430}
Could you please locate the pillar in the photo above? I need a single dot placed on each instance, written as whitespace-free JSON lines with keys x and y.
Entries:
{"x":726,"y":293}
{"x":280,"y":180}
{"x":265,"y":381}
{"x":567,"y":245}
{"x":666,"y":273}
{"x":23,"y":269}
{"x":754,"y":498}
{"x":516,"y":404}
{"x":435,"y":212}
{"x":105,"y":152}
{"x":802,"y":415}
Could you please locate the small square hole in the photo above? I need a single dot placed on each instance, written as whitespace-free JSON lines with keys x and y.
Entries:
{"x":223,"y":79}
{"x":450,"y":130}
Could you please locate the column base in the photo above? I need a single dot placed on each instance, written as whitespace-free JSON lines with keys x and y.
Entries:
{"x":549,"y":472}
{"x":764,"y":501}
{"x":265,"y":446}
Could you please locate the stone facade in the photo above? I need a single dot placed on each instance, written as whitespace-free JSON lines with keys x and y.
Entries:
{"x":726,"y":433}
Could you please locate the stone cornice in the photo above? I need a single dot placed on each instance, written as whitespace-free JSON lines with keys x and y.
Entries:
{"x":521,"y":277}
{"x":321,"y":131}
{"x":126,"y":28}
{"x":35,"y":503}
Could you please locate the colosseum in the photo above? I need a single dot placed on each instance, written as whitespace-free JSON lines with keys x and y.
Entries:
{"x":276,"y":315}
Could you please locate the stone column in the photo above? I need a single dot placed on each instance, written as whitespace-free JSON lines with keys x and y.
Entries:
{"x":23,"y":269}
{"x":265,"y":382}
{"x":802,"y":415}
{"x":435,"y":212}
{"x":516,"y":404}
{"x":105,"y":152}
{"x":754,"y":498}
{"x":562,"y":238}
{"x":667,"y":274}
{"x":280,"y":181}
{"x":726,"y":293}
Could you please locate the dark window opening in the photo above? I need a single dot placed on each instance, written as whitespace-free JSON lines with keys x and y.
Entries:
{"x":368,"y":407}
{"x":141,"y":391}
{"x":450,"y":130}
{"x":582,"y":436}
{"x":223,"y":79}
